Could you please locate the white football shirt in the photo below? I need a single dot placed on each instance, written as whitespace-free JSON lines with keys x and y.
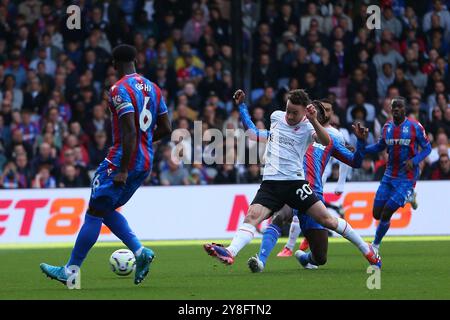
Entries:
{"x":286,"y":147}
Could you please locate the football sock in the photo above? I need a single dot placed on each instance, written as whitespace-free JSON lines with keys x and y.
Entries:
{"x":118,"y":225}
{"x":86,"y":238}
{"x":294,"y":232}
{"x":242,"y":237}
{"x":269,"y":240}
{"x":346,"y":230}
{"x":307,"y":258}
{"x":382,"y":229}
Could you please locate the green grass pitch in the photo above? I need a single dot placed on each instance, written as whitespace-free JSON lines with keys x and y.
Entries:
{"x":413,"y":268}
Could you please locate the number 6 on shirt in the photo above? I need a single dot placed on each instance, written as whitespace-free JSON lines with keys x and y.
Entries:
{"x":145,"y":118}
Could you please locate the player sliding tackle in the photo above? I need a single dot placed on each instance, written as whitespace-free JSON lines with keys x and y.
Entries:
{"x":137,"y":107}
{"x":315,"y":161}
{"x":291,"y":132}
{"x":402,"y":137}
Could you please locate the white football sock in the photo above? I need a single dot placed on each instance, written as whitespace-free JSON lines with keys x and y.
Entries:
{"x":242,"y":237}
{"x":294,"y":232}
{"x":346,"y":230}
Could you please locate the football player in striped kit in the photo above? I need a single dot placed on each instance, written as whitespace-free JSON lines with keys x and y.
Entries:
{"x":314,"y":163}
{"x":139,"y":118}
{"x":291,"y":133}
{"x":402,"y":137}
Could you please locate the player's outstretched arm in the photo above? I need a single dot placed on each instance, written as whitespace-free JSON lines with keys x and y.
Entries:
{"x":357,"y":156}
{"x":128,"y":138}
{"x":254,"y":132}
{"x":321,"y":134}
{"x":347,"y":157}
{"x":376,"y":147}
{"x":163,"y":127}
{"x":353,"y":159}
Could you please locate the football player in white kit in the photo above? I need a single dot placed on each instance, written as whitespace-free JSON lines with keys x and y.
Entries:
{"x":291,"y":132}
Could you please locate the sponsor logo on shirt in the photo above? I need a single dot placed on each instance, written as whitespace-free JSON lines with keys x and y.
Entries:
{"x":284,"y":140}
{"x":402,"y":142}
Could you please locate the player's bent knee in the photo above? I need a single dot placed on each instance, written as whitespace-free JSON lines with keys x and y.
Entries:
{"x":376,"y":213}
{"x":256,"y":214}
{"x":96,"y":212}
{"x":100,"y":206}
{"x":328,"y":222}
{"x":320,"y":259}
{"x":378,"y":208}
{"x":320,"y":213}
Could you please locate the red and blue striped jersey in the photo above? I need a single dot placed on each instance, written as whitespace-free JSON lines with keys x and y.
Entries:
{"x":402,"y":143}
{"x":134,"y":93}
{"x":29,"y":132}
{"x":317,"y":157}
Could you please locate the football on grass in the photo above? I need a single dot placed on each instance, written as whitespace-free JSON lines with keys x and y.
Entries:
{"x":122,"y":262}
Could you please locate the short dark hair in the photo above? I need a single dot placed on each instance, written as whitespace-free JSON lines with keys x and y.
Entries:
{"x":326,"y":100}
{"x":299,"y":97}
{"x":124,"y":53}
{"x":357,"y":109}
{"x":319,"y":107}
{"x":398,"y":100}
